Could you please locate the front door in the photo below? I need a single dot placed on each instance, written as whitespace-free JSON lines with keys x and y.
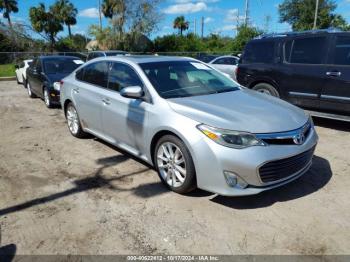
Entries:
{"x":335,"y":94}
{"x":304,"y":69}
{"x":124,"y":118}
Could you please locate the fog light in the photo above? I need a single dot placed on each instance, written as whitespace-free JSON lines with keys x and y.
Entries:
{"x":231,"y":178}
{"x":234,"y":180}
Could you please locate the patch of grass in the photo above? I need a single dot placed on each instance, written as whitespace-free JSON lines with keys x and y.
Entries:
{"x":7,"y":70}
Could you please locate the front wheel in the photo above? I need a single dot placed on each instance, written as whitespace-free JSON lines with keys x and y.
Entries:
{"x":174,"y":164}
{"x":29,"y":90}
{"x":47,"y":98}
{"x":266,"y":89}
{"x":73,"y":122}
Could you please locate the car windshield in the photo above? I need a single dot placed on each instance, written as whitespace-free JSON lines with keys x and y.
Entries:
{"x":174,"y":79}
{"x":61,"y":65}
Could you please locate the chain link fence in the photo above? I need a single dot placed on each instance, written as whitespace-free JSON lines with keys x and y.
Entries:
{"x":17,"y":57}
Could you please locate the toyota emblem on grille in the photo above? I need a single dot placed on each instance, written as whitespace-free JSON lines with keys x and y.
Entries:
{"x":299,"y":139}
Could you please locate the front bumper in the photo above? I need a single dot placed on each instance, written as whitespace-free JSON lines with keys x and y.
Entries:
{"x":212,"y":159}
{"x":55,"y":96}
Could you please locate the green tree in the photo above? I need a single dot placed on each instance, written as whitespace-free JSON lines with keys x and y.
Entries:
{"x":116,"y":11}
{"x":245,"y":34}
{"x":45,"y":21}
{"x":66,"y":12}
{"x":181,"y":24}
{"x":300,"y":14}
{"x":7,"y":7}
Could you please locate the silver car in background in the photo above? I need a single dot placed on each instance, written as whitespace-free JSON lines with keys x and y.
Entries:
{"x":197,"y":127}
{"x":226,"y":64}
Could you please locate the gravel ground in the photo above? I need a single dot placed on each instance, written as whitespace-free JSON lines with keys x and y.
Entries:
{"x":62,"y":195}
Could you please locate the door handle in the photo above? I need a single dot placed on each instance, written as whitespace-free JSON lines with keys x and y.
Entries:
{"x":106,"y":101}
{"x":76,"y":90}
{"x":334,"y":73}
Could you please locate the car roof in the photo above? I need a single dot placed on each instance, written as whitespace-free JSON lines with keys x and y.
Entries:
{"x":108,"y":51}
{"x":47,"y":57}
{"x":139,"y":59}
{"x":225,"y":56}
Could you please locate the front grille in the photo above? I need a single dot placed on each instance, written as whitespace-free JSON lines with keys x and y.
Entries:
{"x":285,"y":138}
{"x":283,"y":168}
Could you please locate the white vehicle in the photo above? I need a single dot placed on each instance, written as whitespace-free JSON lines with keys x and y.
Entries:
{"x":21,"y":69}
{"x":226,"y":64}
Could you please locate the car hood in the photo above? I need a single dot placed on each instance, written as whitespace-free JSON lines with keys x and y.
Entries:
{"x":56,"y":77}
{"x":242,"y":110}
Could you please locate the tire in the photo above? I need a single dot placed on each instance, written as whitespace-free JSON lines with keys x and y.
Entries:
{"x":47,"y":98}
{"x":23,"y":81}
{"x":172,"y":171}
{"x":29,"y":90}
{"x":266,"y":89}
{"x":73,"y":122}
{"x":18,"y":83}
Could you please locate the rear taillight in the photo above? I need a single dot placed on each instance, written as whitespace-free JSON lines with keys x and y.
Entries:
{"x":237,"y":70}
{"x":58,"y":85}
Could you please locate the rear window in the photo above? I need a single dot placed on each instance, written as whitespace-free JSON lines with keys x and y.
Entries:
{"x":342,"y":51}
{"x":259,"y":52}
{"x":59,"y":65}
{"x":305,"y":50}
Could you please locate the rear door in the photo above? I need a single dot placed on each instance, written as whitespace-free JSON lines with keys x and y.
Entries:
{"x":91,"y":83}
{"x":335,"y":94}
{"x":124,"y":118}
{"x":304,"y":69}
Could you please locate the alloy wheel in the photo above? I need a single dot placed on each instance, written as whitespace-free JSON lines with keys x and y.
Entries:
{"x":29,"y":90}
{"x":171,"y":164}
{"x":73,"y":120}
{"x":46,"y":97}
{"x":264,"y":91}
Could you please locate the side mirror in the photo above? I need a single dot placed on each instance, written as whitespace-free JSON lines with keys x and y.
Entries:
{"x":16,"y":66}
{"x":132,"y":92}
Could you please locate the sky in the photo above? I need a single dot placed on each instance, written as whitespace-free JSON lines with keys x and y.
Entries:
{"x":220,"y":16}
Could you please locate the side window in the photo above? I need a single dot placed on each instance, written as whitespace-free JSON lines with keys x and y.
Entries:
{"x":220,"y":61}
{"x":96,"y":74}
{"x":232,"y":61}
{"x":259,"y":52}
{"x":38,"y":66}
{"x":308,"y":50}
{"x":21,"y":65}
{"x":80,"y":74}
{"x":287,"y":50}
{"x":342,"y":51}
{"x":121,"y":75}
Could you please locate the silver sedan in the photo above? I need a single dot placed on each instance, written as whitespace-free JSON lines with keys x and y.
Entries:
{"x":197,"y":127}
{"x":226,"y":64}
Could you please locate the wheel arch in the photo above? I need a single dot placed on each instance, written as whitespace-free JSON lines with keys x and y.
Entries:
{"x":158,"y":135}
{"x":66,"y":102}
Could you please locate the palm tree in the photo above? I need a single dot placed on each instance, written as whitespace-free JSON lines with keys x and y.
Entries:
{"x":45,"y":21}
{"x":67,"y":13}
{"x":8,"y":6}
{"x":181,"y":24}
{"x":116,"y":11}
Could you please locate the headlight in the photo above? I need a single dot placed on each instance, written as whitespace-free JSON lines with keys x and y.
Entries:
{"x":57,"y":86}
{"x":229,"y":138}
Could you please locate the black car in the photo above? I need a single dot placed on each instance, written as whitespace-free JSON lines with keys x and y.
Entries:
{"x":309,"y":69}
{"x":95,"y":54}
{"x":44,"y":76}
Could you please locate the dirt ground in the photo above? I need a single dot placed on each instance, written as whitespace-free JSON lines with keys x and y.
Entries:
{"x":62,"y":195}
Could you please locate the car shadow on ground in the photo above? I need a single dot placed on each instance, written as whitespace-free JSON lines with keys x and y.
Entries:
{"x":332,"y":124}
{"x":317,"y":177}
{"x":96,"y":181}
{"x":8,"y":252}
